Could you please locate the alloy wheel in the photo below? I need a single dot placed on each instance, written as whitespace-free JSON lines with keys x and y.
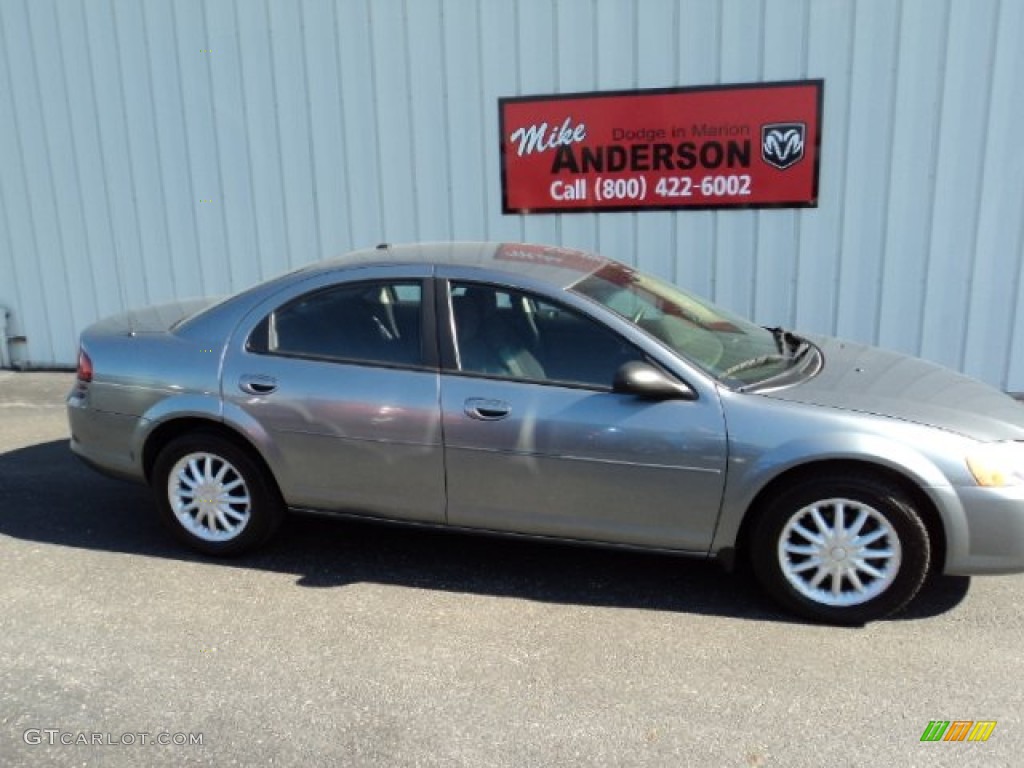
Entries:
{"x":209,"y":497}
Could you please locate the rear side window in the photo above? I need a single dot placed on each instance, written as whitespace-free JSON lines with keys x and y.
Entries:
{"x":372,"y":322}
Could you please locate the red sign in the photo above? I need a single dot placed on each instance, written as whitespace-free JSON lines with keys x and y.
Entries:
{"x":731,"y":146}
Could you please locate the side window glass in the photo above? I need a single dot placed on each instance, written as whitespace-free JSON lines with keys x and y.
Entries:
{"x":514,"y":335}
{"x":375,"y":322}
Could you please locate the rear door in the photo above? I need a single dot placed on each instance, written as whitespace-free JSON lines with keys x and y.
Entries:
{"x":536,"y":442}
{"x":340,"y":380}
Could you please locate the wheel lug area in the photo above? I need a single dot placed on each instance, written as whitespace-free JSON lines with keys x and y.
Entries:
{"x":207,"y":494}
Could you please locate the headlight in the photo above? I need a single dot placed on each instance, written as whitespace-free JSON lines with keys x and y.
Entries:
{"x":997,"y":465}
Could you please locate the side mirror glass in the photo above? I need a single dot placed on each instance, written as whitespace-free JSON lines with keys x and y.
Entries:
{"x":646,"y":381}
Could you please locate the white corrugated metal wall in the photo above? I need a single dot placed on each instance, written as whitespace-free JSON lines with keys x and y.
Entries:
{"x":155,"y":149}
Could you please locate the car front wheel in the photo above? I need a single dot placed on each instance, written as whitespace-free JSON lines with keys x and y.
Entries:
{"x":845,"y":550}
{"x":213,"y":496}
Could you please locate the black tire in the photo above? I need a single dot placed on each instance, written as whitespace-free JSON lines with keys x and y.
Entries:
{"x":891,"y":524}
{"x":229,"y":526}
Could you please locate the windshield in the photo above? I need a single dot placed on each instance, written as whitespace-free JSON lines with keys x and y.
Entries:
{"x":726,"y":346}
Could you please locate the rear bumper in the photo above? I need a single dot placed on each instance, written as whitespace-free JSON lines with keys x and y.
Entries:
{"x":103,"y":466}
{"x":104,"y":440}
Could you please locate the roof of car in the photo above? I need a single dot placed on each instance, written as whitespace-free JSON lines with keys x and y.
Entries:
{"x":559,"y":266}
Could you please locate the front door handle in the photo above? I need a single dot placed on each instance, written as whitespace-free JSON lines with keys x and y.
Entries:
{"x":487,"y":410}
{"x":257,"y":384}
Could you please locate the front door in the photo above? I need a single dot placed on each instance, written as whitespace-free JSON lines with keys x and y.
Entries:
{"x":536,"y":442}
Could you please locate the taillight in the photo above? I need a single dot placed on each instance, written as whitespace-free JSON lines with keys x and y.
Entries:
{"x":84,"y":366}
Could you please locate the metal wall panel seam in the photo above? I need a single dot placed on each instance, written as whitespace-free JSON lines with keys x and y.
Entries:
{"x":694,"y":254}
{"x":357,"y":85}
{"x":153,"y":258}
{"x":226,"y":256}
{"x":188,"y":154}
{"x":429,"y":107}
{"x":484,"y":107}
{"x":574,"y":59}
{"x":470,"y":139}
{"x":595,"y":48}
{"x":499,"y":77}
{"x":617,"y":234}
{"x":516,"y":46}
{"x":279,"y":153}
{"x":381,"y":203}
{"x":159,"y":154}
{"x":871,"y":112}
{"x":676,"y":65}
{"x":130,"y":165}
{"x":258,"y":240}
{"x":936,"y":156}
{"x":414,"y":176}
{"x":446,"y":122}
{"x":737,"y":232}
{"x":87,"y":247}
{"x":343,"y":135}
{"x":115,"y":251}
{"x":633,"y":256}
{"x":309,"y":142}
{"x":980,"y":186}
{"x":845,"y":154}
{"x":887,"y":192}
{"x":536,"y":61}
{"x":756,"y":255}
{"x":715,"y":242}
{"x":798,"y":219}
{"x":656,"y":67}
{"x":557,"y":72}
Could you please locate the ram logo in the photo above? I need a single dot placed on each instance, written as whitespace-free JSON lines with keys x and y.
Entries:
{"x":782,"y":144}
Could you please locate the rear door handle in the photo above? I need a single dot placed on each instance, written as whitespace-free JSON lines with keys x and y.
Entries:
{"x":257,"y":384}
{"x":487,"y":410}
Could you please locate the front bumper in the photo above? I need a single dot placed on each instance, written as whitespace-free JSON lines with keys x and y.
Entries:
{"x":994,"y":532}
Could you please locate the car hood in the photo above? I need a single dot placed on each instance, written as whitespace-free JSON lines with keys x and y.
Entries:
{"x":154,"y":319}
{"x":866,"y":379}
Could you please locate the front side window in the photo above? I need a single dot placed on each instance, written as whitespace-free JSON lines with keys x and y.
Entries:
{"x":374,"y":322}
{"x":508,"y":334}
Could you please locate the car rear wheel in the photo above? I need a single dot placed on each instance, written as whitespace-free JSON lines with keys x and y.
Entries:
{"x":844,"y":549}
{"x":213,"y":496}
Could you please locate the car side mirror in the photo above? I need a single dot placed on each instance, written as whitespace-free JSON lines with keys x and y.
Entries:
{"x":648,"y":382}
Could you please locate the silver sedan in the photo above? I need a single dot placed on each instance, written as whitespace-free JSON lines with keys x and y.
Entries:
{"x":537,"y":391}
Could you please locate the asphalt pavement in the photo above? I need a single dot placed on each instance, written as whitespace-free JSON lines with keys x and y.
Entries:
{"x":352,"y":644}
